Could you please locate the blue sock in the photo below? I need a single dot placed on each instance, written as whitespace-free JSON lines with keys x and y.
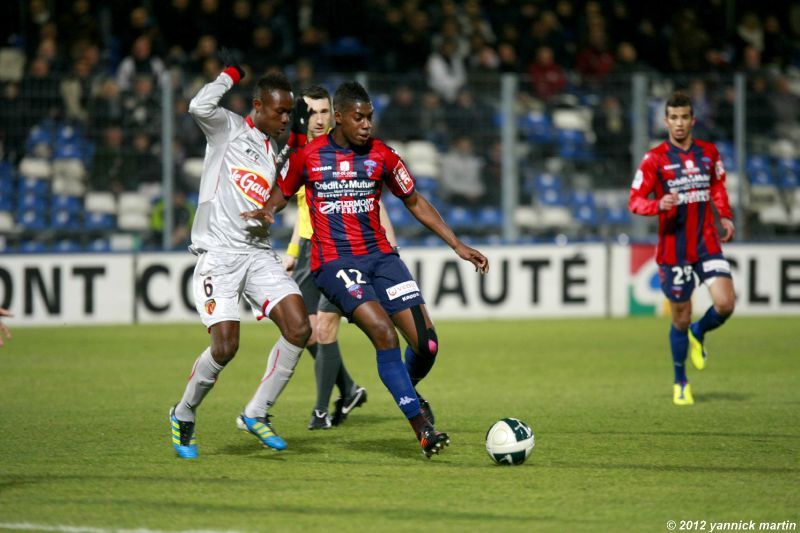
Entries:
{"x":395,"y":376}
{"x":710,"y":321}
{"x":418,"y":365}
{"x":679,"y":341}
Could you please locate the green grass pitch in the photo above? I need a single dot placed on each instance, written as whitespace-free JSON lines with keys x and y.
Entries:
{"x":85,"y":444}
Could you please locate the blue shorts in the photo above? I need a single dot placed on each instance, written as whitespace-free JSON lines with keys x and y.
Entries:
{"x":350,"y":281}
{"x":678,"y":281}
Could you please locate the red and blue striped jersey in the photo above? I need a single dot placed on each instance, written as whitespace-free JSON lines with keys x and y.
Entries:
{"x":687,"y":232}
{"x":343,"y":187}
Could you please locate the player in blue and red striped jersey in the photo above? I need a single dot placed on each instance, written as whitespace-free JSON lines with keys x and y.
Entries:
{"x":686,"y":176}
{"x":353,"y":263}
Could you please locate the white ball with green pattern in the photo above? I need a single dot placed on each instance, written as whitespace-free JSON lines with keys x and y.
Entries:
{"x":509,"y":441}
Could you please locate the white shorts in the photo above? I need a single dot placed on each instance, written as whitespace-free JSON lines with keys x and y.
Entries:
{"x":220,"y":279}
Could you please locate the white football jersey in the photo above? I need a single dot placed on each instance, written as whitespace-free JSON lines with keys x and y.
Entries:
{"x":238,"y":172}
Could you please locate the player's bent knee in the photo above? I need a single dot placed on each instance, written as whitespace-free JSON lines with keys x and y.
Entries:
{"x":725,"y":308}
{"x":327,"y":327}
{"x":297,"y":332}
{"x":223,"y":350}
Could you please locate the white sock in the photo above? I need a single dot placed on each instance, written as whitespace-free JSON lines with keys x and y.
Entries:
{"x":280,"y":367}
{"x":204,"y":375}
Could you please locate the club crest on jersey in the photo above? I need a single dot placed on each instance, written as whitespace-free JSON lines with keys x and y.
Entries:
{"x":369,"y":166}
{"x":403,"y":178}
{"x":210,"y":306}
{"x":251,"y":185}
{"x":356,"y":291}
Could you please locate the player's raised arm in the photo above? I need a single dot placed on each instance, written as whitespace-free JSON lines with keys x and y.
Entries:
{"x":429,"y":217}
{"x":214,"y":120}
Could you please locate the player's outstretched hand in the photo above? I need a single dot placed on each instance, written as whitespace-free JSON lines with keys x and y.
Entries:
{"x":289,"y":262}
{"x":299,"y":127}
{"x":4,"y":331}
{"x":259,"y":214}
{"x":226,"y":56}
{"x":473,"y":256}
{"x":730,"y":230}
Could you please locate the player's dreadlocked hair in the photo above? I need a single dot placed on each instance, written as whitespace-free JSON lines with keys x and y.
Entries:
{"x":679,"y":99}
{"x":317,"y":92}
{"x":348,"y":94}
{"x":274,"y":81}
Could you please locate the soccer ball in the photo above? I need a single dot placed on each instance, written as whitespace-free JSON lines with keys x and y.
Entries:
{"x":509,"y":441}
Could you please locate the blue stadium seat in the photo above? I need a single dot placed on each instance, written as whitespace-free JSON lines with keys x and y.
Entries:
{"x":537,"y":127}
{"x":762,"y":176}
{"x":617,"y":216}
{"x":551,"y":197}
{"x":460,"y":217}
{"x":67,"y":246}
{"x":31,"y":220}
{"x":586,"y":214}
{"x":7,"y":202}
{"x":490,"y":218}
{"x":73,"y":204}
{"x":69,"y":150}
{"x":34,"y":186}
{"x":33,"y":202}
{"x":582,"y":197}
{"x":99,"y":245}
{"x":99,"y":221}
{"x":33,"y":247}
{"x":727,"y":154}
{"x":757,"y":163}
{"x":40,"y":138}
{"x":65,"y":220}
{"x":572,"y":145}
{"x":789,"y":179}
{"x":548,"y":181}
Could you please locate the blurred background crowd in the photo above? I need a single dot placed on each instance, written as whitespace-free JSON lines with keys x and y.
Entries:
{"x":82,"y":129}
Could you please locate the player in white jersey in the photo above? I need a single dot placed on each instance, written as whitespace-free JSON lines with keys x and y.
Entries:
{"x":235,"y":256}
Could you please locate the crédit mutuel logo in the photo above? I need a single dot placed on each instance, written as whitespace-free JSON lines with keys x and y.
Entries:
{"x":250,"y":184}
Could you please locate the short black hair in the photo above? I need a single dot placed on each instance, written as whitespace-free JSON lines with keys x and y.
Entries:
{"x":347,"y":94}
{"x":274,"y":81}
{"x":317,"y":92}
{"x":679,"y":99}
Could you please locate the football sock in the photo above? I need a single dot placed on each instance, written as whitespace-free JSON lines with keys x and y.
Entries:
{"x":395,"y":377}
{"x":710,"y":321}
{"x":347,"y":387}
{"x":312,"y":349}
{"x":418,"y":365}
{"x":280,"y":367}
{"x":204,"y":375}
{"x":679,"y":341}
{"x":326,"y":369}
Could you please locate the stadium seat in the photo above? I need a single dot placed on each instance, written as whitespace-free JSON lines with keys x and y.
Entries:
{"x":551,"y":196}
{"x":763,"y":190}
{"x":573,"y":145}
{"x":192,"y":170}
{"x":35,"y":167}
{"x":586,"y":214}
{"x":460,"y":217}
{"x":98,"y":221}
{"x":526,"y":217}
{"x":773,"y":214}
{"x":69,"y":150}
{"x":537,"y":127}
{"x":757,"y":163}
{"x":67,"y":246}
{"x":573,"y":119}
{"x":68,"y":186}
{"x":137,"y":222}
{"x":133,"y":202}
{"x":727,"y":154}
{"x":552,"y":216}
{"x":12,"y":64}
{"x":100,"y":202}
{"x":151,"y":189}
{"x":63,"y":219}
{"x":33,"y":247}
{"x":31,"y":220}
{"x":39,"y":143}
{"x":7,"y":224}
{"x":422,"y":159}
{"x":99,"y":245}
{"x":73,"y":204}
{"x":33,"y":186}
{"x":617,"y":216}
{"x":489,"y":218}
